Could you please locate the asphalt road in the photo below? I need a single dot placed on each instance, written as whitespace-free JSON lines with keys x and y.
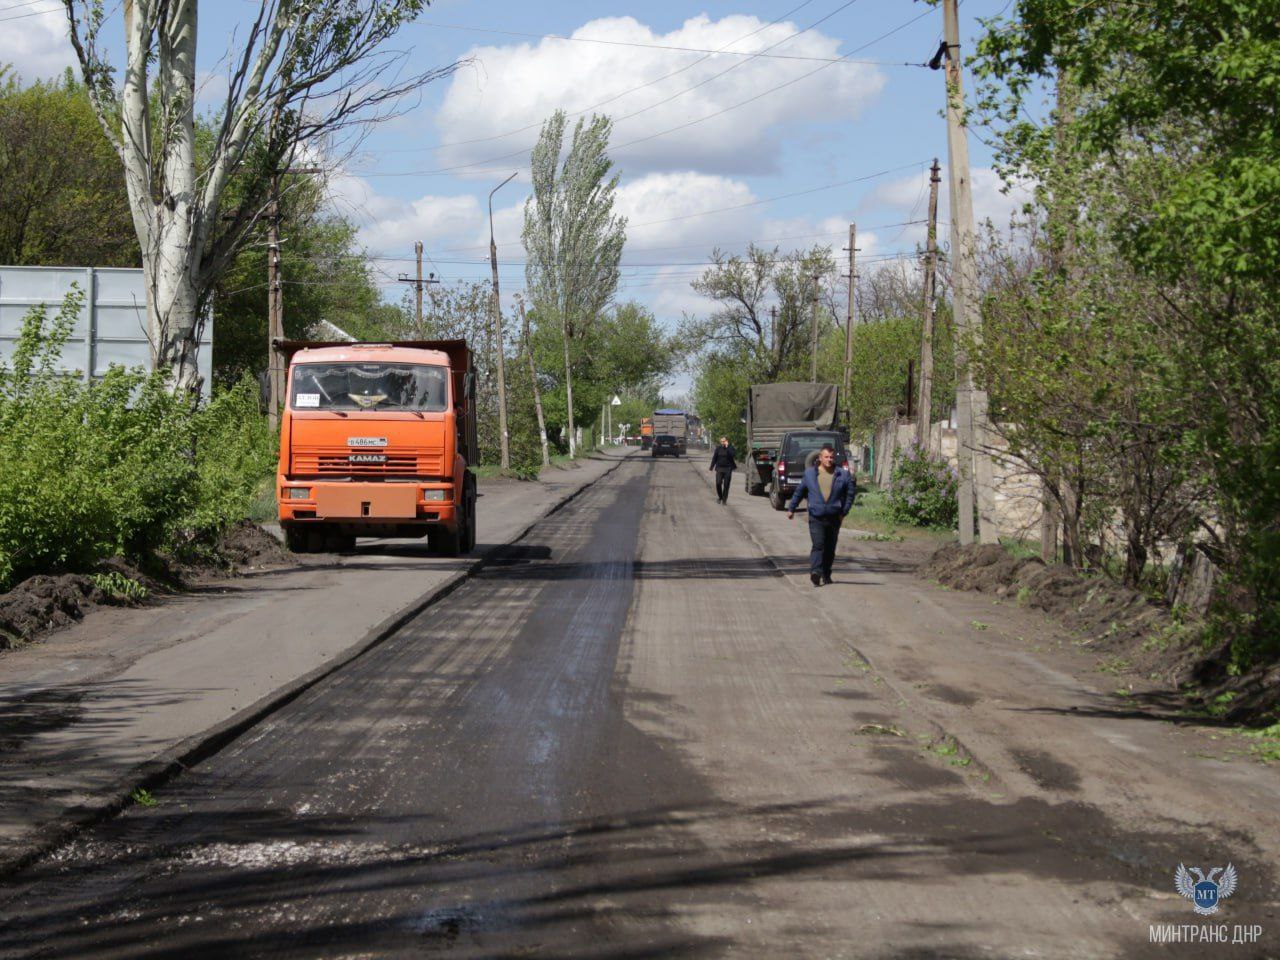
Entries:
{"x":633,"y":735}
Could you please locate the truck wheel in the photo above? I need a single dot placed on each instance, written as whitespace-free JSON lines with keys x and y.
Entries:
{"x":446,"y":543}
{"x":469,"y":497}
{"x":295,"y":540}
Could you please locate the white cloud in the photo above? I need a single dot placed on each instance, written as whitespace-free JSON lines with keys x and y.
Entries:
{"x":514,"y":87}
{"x":37,"y":46}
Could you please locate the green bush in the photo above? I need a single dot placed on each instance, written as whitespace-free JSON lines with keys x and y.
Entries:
{"x":922,"y":490}
{"x":117,"y":466}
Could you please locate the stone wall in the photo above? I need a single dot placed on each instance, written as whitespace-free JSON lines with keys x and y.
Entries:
{"x":1017,"y":493}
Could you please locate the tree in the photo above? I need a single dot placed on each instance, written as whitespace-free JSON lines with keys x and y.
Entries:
{"x":763,"y":306}
{"x":1176,"y":102}
{"x":62,"y":197}
{"x":572,"y":237}
{"x":303,"y":74}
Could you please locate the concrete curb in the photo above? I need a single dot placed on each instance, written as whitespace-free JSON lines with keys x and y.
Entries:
{"x":109,"y":801}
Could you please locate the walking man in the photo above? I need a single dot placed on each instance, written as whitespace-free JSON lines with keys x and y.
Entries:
{"x":723,"y":464}
{"x":830,"y":491}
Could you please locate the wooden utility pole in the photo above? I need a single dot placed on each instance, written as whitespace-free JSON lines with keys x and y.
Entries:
{"x":504,"y":438}
{"x":275,"y":309}
{"x":777,"y":341}
{"x":924,"y":405}
{"x":813,"y":311}
{"x":848,"y":323}
{"x":419,"y":284}
{"x":971,"y":401}
{"x":533,"y":377}
{"x":417,"y":290}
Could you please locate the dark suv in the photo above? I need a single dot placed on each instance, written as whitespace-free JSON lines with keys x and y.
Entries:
{"x":665,"y":445}
{"x":795,"y":454}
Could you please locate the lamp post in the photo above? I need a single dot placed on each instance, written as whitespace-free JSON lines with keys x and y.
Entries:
{"x":504,"y":439}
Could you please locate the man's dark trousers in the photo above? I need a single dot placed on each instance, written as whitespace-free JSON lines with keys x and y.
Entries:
{"x":722,"y":483}
{"x":823,"y":534}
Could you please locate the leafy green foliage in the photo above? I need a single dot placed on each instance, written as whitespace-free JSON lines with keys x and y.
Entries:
{"x":922,"y":490}
{"x":118,"y":466}
{"x":119,"y":587}
{"x":1169,"y":106}
{"x":62,"y":196}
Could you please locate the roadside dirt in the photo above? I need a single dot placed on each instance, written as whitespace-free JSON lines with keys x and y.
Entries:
{"x":43,"y":604}
{"x":1142,"y":642}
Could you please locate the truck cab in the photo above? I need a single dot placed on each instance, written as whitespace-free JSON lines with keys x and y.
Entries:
{"x":377,"y":440}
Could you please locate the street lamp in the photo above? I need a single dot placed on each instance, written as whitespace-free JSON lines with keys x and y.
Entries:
{"x":504,"y":439}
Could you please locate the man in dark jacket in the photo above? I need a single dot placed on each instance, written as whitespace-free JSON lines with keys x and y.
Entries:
{"x":723,"y":464}
{"x":830,"y":491}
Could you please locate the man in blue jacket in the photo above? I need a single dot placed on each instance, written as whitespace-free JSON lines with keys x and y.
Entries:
{"x":830,"y":491}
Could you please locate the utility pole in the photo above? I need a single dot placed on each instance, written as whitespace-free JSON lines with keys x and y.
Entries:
{"x":848,"y":324}
{"x":813,"y":310}
{"x":418,"y":284}
{"x":275,"y":309}
{"x":503,"y":436}
{"x":417,"y":290}
{"x":276,"y":372}
{"x":533,"y":378}
{"x":971,"y":401}
{"x":924,"y":406}
{"x":777,"y":344}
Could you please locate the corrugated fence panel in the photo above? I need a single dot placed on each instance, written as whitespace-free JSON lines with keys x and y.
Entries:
{"x":112,"y":327}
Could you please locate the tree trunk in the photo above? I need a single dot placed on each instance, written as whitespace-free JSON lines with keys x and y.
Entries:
{"x":537,"y":393}
{"x":568,"y":386}
{"x":171,"y":246}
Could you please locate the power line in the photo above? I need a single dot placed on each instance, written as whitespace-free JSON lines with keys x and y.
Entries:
{"x":616,"y":96}
{"x":662,"y":133}
{"x":663,"y":46}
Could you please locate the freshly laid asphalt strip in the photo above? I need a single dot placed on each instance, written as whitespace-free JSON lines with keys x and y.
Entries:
{"x":629,"y":736}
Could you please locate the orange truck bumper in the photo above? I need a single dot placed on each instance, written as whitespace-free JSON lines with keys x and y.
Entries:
{"x":373,"y":503}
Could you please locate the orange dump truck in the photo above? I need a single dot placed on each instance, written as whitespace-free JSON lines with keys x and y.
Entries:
{"x":376,"y":440}
{"x":646,"y":432}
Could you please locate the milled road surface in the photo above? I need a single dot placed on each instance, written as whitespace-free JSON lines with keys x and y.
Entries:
{"x":634,"y":735}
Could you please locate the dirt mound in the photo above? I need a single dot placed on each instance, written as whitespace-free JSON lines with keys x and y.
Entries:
{"x":246,"y":544}
{"x":43,"y":603}
{"x":1094,"y":606}
{"x":1135,"y":637}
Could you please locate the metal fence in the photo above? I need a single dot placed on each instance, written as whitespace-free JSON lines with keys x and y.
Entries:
{"x":112,"y":327}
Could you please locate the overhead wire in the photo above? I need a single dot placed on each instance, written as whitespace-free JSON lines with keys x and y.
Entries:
{"x":443,"y":171}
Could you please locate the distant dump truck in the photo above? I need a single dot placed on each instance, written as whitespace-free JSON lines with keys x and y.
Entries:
{"x":674,"y":423}
{"x":646,"y":432}
{"x":774,"y":409}
{"x":378,"y":440}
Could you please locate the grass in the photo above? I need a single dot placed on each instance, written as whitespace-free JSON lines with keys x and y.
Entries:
{"x":1267,"y":747}
{"x":490,"y":471}
{"x":263,"y":508}
{"x":868,"y":514}
{"x":143,"y":798}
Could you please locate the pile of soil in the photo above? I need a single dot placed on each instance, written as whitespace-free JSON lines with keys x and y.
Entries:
{"x":1135,"y":637}
{"x":247,"y":545}
{"x":44,"y":603}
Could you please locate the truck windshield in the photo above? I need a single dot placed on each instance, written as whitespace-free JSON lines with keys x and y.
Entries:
{"x":369,"y":386}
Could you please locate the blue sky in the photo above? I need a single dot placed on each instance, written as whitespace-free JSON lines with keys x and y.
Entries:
{"x":700,"y":164}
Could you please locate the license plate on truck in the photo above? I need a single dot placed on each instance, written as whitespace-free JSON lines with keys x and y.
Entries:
{"x":392,"y":502}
